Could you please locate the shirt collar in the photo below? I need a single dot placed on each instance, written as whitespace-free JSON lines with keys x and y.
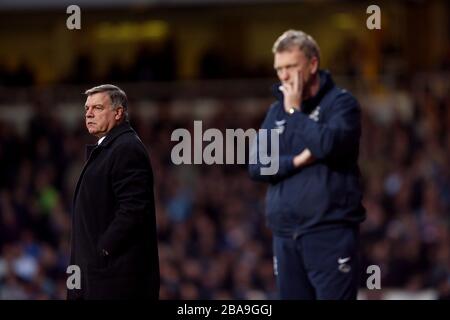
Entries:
{"x":100,"y":140}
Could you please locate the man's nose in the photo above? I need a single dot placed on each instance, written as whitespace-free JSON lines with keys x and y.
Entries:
{"x":89,"y":113}
{"x":284,"y":75}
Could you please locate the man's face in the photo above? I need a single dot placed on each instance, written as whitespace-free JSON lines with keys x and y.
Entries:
{"x":100,"y":116}
{"x":291,"y":61}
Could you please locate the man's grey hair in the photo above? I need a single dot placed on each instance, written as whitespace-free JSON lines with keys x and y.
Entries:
{"x":116,"y":95}
{"x":296,"y":38}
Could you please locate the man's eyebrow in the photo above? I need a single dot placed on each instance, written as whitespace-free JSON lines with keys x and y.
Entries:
{"x":290,"y":65}
{"x":94,"y":105}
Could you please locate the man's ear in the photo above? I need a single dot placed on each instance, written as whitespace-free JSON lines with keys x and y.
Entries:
{"x":314,"y":64}
{"x":119,"y":113}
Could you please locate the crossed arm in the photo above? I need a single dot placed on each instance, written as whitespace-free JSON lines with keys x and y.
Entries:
{"x":303,"y":159}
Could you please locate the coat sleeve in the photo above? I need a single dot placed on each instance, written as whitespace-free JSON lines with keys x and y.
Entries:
{"x":338,"y":136}
{"x":132,"y":186}
{"x":279,"y":167}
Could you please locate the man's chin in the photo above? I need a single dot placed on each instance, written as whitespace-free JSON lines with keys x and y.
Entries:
{"x":92,"y":131}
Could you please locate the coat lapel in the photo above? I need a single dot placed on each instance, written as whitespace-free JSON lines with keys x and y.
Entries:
{"x":91,"y":149}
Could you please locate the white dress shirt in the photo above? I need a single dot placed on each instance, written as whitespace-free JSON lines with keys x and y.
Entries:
{"x":100,"y":140}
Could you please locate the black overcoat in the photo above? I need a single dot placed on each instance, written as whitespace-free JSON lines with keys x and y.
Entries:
{"x":114,"y":213}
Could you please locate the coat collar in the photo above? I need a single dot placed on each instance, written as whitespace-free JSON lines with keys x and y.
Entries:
{"x":115,"y":132}
{"x":110,"y":137}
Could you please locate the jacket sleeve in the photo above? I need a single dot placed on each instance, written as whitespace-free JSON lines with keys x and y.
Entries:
{"x":132,"y":186}
{"x":337,"y":137}
{"x":279,"y":166}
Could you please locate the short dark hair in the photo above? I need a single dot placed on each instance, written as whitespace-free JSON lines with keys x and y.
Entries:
{"x":116,"y":95}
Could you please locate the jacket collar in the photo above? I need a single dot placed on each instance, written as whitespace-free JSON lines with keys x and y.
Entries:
{"x":326,"y":84}
{"x":115,"y":132}
{"x":110,"y":137}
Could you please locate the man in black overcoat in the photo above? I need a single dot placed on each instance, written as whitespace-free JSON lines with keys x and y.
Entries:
{"x":114,"y":241}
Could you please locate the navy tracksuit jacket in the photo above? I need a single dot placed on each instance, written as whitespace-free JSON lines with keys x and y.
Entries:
{"x":326,"y":193}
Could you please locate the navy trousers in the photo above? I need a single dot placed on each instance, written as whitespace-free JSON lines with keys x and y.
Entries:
{"x":322,"y":265}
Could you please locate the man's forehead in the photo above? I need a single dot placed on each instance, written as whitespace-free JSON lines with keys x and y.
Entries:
{"x":292,"y":53}
{"x":97,"y":98}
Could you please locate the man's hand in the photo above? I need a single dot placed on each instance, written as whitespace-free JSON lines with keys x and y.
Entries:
{"x":303,"y":158}
{"x":292,"y":92}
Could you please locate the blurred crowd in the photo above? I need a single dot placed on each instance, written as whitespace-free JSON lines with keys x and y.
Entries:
{"x":213,"y":240}
{"x":149,"y":64}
